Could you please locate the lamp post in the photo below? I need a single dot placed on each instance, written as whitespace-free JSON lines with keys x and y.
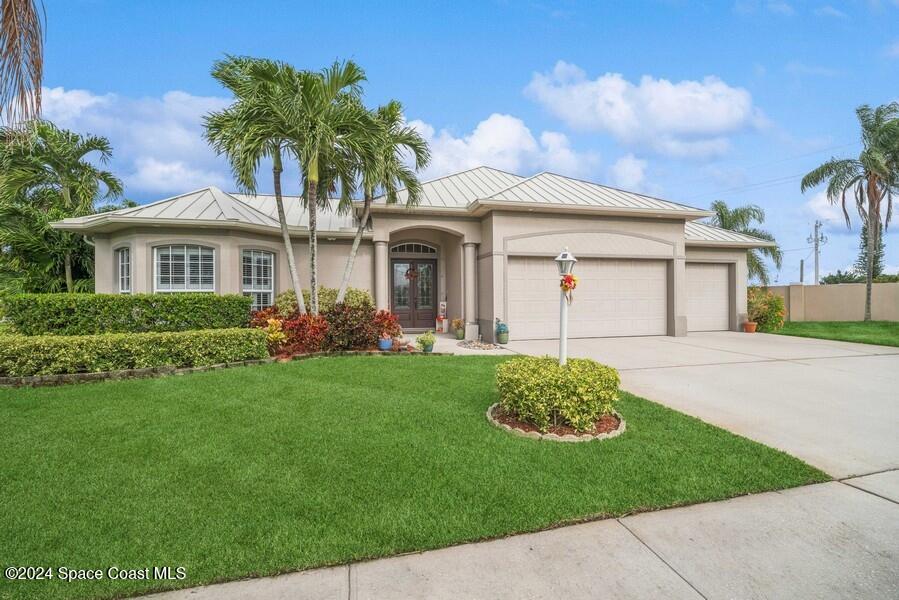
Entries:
{"x":565,"y":261}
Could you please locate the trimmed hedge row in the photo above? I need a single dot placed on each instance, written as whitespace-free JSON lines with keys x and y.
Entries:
{"x":22,"y":356}
{"x":89,"y":314}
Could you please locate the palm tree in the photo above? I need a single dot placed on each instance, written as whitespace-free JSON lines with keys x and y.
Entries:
{"x":331,"y":131}
{"x":255,"y":127}
{"x":386,"y":170}
{"x":742,"y":219}
{"x":47,"y":169}
{"x":21,"y":60}
{"x":872,"y":178}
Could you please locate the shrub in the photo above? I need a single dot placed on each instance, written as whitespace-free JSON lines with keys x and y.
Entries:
{"x":351,"y":328}
{"x":327,"y":298}
{"x":22,"y":355}
{"x":305,"y":333}
{"x":387,"y":324}
{"x":765,"y":308}
{"x":541,"y":392}
{"x":426,"y":339}
{"x":88,"y":314}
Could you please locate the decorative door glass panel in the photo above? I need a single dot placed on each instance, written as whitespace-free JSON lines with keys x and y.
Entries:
{"x":401,"y":271}
{"x":424,"y":296}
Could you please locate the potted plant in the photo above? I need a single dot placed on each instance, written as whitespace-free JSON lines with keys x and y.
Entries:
{"x":458,"y":326}
{"x":502,"y":332}
{"x":425,"y":341}
{"x":385,"y":342}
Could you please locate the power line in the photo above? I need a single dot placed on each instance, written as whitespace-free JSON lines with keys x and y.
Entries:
{"x":751,"y":187}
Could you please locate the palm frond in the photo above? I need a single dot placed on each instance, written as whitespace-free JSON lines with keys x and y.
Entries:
{"x":21,"y":60}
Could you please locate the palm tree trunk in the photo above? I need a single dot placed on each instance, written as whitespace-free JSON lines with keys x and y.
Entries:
{"x":348,"y":270}
{"x":288,"y":246}
{"x":312,"y":200}
{"x":67,"y":261}
{"x":873,"y":226}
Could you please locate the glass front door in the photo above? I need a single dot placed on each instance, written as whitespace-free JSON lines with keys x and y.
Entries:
{"x":413,"y":292}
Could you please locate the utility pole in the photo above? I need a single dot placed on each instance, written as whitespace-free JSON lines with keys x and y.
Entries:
{"x":802,"y":271}
{"x":818,"y":239}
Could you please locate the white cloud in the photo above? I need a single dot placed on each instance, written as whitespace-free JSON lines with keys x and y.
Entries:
{"x":682,"y":119}
{"x":504,"y":142}
{"x":158,"y":144}
{"x":829,"y":11}
{"x":629,"y":172}
{"x":781,"y":8}
{"x":892,"y":51}
{"x":820,"y":207}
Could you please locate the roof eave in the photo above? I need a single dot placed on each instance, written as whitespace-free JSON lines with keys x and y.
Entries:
{"x":480,"y":207}
{"x":110,"y":224}
{"x":729,"y":244}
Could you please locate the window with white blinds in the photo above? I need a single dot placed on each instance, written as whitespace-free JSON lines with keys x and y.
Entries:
{"x":123,"y":269}
{"x":183,"y":268}
{"x":257,"y":267}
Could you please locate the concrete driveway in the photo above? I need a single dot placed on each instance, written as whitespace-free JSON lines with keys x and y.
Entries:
{"x":833,"y":404}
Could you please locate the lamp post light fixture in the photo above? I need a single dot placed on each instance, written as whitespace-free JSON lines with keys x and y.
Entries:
{"x":565,"y":262}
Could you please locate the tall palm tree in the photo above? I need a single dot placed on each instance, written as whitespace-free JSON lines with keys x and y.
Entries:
{"x":49,"y":168}
{"x":386,"y":170}
{"x":254,"y":127}
{"x":21,"y":60}
{"x":872,"y":178}
{"x":331,"y":131}
{"x":743,"y":219}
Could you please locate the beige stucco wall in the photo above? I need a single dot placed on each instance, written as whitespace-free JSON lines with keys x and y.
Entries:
{"x":736,"y":258}
{"x":228,"y":245}
{"x":841,"y":302}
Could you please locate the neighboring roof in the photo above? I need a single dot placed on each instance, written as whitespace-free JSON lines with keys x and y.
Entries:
{"x":296,"y":215}
{"x":703,"y":234}
{"x":458,"y":190}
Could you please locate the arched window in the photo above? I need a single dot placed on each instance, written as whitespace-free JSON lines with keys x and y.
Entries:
{"x":257,"y":270}
{"x":183,"y":268}
{"x":413,"y":248}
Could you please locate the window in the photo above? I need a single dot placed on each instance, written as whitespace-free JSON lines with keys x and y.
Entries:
{"x":123,"y":269}
{"x":184,"y":268}
{"x":413,"y":248}
{"x":258,"y":280}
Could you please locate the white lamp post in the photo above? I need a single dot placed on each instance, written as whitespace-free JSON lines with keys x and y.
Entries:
{"x":566,"y":261}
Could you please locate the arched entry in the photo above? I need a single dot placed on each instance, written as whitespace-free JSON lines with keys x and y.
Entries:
{"x":413,"y":283}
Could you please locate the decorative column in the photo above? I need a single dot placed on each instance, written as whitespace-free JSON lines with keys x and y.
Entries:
{"x":382,"y":285}
{"x":470,"y":265}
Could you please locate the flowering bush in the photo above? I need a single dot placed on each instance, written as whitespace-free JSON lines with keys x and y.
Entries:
{"x":305,"y":333}
{"x":351,"y":328}
{"x":765,"y":308}
{"x":274,"y":332}
{"x":387,"y":324}
{"x":543,"y":393}
{"x":259,"y":319}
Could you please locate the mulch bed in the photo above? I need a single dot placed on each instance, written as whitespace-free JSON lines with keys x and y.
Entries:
{"x":605,"y":424}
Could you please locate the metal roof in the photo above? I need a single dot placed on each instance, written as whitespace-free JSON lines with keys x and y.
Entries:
{"x":297,"y":216}
{"x":697,"y":234}
{"x":549,"y":188}
{"x":458,"y":190}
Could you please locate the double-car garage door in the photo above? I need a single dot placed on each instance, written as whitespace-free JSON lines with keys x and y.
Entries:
{"x":615,"y":297}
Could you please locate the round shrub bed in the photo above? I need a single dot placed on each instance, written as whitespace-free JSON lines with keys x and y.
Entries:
{"x":538,"y":395}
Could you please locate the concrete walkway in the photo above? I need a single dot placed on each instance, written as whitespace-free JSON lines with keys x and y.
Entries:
{"x":832,"y":404}
{"x":833,"y":540}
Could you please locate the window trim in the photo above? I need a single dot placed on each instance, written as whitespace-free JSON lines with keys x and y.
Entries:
{"x":407,"y":248}
{"x":117,"y":264}
{"x":274,"y":258}
{"x":186,"y":244}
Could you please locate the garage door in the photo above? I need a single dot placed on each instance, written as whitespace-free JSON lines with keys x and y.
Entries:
{"x":708,"y":299}
{"x":613,"y":298}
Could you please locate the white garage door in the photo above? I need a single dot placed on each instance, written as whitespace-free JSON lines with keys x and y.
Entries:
{"x":708,"y":299}
{"x":613,"y":298}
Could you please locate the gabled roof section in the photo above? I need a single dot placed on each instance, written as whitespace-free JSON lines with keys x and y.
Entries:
{"x":703,"y":234}
{"x":552,"y":189}
{"x":297,"y":216}
{"x":460,"y":189}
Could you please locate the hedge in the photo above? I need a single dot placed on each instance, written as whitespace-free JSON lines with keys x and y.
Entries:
{"x":88,"y":314}
{"x":543,"y":393}
{"x":286,"y":301}
{"x":22,"y":356}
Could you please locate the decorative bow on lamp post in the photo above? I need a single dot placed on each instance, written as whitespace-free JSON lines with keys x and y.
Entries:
{"x":568,"y":282}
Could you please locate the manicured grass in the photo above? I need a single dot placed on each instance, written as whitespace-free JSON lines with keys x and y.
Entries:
{"x":259,"y":470}
{"x":885,"y":333}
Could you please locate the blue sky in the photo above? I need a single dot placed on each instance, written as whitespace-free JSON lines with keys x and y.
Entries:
{"x":690,"y":101}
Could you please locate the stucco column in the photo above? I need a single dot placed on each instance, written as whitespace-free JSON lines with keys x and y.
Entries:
{"x":382,"y":287}
{"x":677,"y":297}
{"x":470,"y":260}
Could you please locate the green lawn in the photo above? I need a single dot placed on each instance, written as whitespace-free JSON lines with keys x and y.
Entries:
{"x":259,"y":470}
{"x":885,"y":333}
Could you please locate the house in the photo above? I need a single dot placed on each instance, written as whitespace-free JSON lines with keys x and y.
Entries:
{"x":482,"y":241}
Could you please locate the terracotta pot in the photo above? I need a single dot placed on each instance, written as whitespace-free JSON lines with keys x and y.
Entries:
{"x":749,"y":326}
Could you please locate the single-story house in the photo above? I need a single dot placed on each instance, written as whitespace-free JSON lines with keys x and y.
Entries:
{"x":481,"y":241}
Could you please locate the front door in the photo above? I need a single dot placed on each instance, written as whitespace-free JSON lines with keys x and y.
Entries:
{"x":413,"y":292}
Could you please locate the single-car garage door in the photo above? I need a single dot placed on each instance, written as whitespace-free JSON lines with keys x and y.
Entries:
{"x":614,"y":298}
{"x":708,"y":299}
